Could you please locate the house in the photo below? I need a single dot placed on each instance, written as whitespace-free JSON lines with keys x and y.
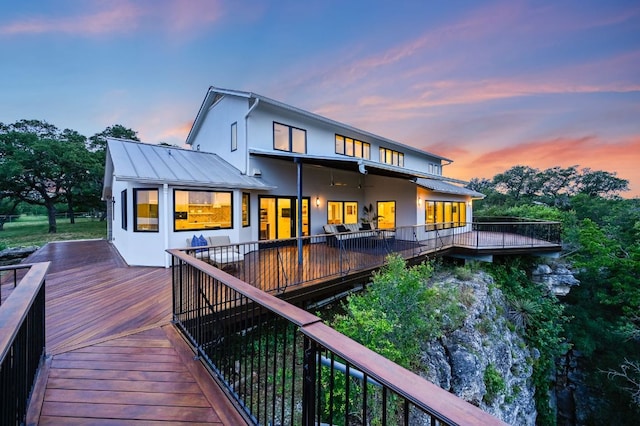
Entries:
{"x":259,"y":169}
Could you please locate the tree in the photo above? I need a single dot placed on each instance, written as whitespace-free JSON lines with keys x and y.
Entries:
{"x":98,"y":142}
{"x":519,"y":182}
{"x":601,"y":183}
{"x":39,"y":164}
{"x":8,"y":207}
{"x":558,"y":184}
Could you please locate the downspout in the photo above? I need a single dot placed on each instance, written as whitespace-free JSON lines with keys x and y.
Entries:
{"x":165,"y":200}
{"x":246,"y":135}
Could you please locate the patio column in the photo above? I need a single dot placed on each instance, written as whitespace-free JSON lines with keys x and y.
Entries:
{"x":298,"y":162}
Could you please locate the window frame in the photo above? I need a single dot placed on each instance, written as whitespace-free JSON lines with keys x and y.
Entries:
{"x":290,"y":136}
{"x":457,"y":212}
{"x":135,"y":209}
{"x":123,"y":209}
{"x":234,"y":136}
{"x":352,"y":147}
{"x":245,"y":223}
{"x":391,"y":157}
{"x":175,"y":190}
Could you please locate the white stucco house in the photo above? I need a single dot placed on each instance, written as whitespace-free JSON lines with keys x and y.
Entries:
{"x":259,"y":169}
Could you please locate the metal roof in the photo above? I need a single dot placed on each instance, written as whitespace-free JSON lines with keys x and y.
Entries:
{"x":158,"y":164}
{"x":447,"y":188}
{"x":214,"y":92}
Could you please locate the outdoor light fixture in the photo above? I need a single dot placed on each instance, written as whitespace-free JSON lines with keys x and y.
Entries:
{"x":419,"y":201}
{"x":317,"y":201}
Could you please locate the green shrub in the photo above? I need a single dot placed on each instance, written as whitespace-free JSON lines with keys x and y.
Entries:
{"x":494,"y":384}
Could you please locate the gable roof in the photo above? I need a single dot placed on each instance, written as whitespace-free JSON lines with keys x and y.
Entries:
{"x":214,"y":94}
{"x":156,"y":164}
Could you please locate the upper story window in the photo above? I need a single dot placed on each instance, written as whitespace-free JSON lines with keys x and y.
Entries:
{"x":288,"y":138}
{"x":352,"y":147}
{"x":435,"y":169}
{"x":234,"y":136}
{"x":389,"y":156}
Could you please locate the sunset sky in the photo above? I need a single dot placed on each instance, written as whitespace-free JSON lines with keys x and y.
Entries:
{"x":489,"y":84}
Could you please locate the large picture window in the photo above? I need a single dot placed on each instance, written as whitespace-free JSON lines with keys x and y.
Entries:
{"x":445,"y":214}
{"x":196,"y":210}
{"x":145,"y":215}
{"x":288,"y":138}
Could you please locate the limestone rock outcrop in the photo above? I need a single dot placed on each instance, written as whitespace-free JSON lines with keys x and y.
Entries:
{"x":486,"y":361}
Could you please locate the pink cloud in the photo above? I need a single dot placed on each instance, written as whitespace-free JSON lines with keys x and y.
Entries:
{"x":124,"y":16}
{"x":587,"y":151}
{"x":120,"y":17}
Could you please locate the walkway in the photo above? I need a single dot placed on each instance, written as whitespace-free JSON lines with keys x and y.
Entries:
{"x":114,"y":356}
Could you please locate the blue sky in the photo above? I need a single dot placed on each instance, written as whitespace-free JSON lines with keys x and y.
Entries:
{"x":489,"y":84}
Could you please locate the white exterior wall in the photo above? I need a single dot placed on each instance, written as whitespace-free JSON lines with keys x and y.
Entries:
{"x":137,"y":248}
{"x":215,"y":132}
{"x":148,"y":248}
{"x":321,"y":137}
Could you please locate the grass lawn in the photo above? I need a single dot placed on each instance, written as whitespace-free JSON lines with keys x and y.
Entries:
{"x":32,"y":231}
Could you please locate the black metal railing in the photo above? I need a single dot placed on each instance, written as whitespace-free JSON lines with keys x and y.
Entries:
{"x":283,"y":366}
{"x":22,"y":342}
{"x":518,"y":232}
{"x":12,"y":272}
{"x":274,"y":266}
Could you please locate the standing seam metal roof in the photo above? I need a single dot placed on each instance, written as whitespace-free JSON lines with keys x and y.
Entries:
{"x":146,"y":163}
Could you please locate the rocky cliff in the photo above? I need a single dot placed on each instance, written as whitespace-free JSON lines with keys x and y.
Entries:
{"x":485,"y":361}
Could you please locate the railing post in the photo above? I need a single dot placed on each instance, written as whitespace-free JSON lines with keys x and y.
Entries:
{"x":309,"y":382}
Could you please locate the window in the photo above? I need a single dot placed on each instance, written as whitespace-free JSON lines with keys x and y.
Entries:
{"x":146,"y":210}
{"x":445,"y":214}
{"x":352,"y":147}
{"x":196,"y":210}
{"x":123,"y":208}
{"x":234,"y":136}
{"x":287,"y":138}
{"x":386,"y":214}
{"x":342,"y":212}
{"x":334,"y":212}
{"x":389,"y":156}
{"x":245,"y":209}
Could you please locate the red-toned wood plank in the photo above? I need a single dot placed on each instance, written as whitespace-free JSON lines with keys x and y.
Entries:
{"x":165,"y":399}
{"x":124,"y":385}
{"x":76,"y":421}
{"x":158,"y":376}
{"x":227,"y":412}
{"x":142,"y":357}
{"x":117,"y":365}
{"x":124,"y":411}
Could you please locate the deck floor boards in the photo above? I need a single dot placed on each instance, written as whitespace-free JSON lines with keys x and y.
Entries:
{"x":115,"y":358}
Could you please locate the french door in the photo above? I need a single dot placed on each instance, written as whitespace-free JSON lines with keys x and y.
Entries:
{"x":278,"y":217}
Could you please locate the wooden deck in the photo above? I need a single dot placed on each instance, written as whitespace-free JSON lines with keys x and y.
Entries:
{"x":114,"y":357}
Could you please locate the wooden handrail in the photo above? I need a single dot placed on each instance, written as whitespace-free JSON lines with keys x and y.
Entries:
{"x":424,"y":394}
{"x":16,"y":307}
{"x":430,"y":397}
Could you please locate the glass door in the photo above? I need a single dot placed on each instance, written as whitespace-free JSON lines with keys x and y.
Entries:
{"x":278,"y":217}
